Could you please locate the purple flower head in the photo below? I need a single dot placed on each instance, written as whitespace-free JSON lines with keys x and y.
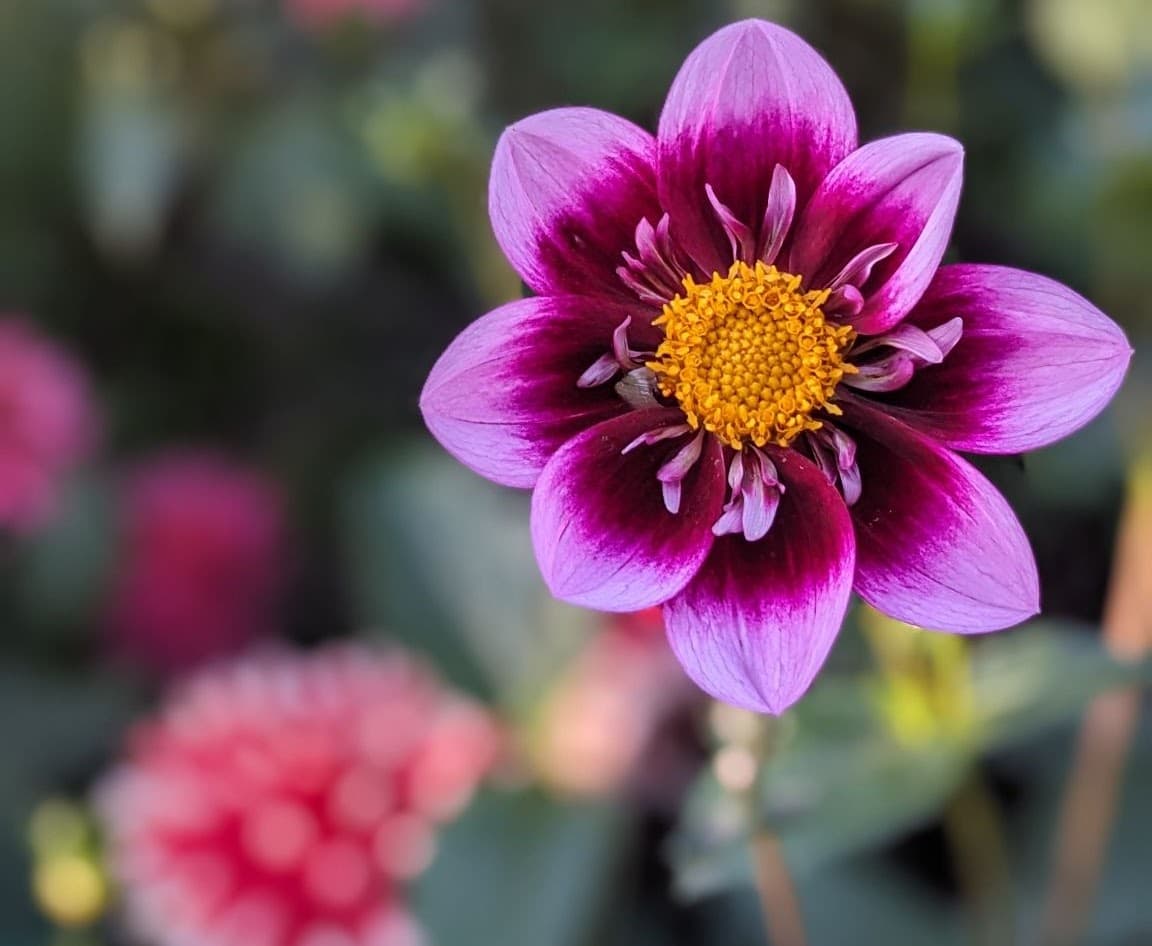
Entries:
{"x":739,"y":387}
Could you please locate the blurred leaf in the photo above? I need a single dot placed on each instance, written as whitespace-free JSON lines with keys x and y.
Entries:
{"x":1120,"y":910}
{"x":131,"y":151}
{"x":1041,"y":675}
{"x":56,"y":729}
{"x":20,"y":923}
{"x":300,"y":191}
{"x":522,"y":870}
{"x":844,"y":785}
{"x":443,"y":560}
{"x":63,"y":567}
{"x":874,"y":905}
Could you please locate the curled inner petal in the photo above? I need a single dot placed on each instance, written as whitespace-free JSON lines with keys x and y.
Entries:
{"x":654,"y":273}
{"x":755,"y":496}
{"x":912,"y":349}
{"x":777,"y":215}
{"x":835,"y":453}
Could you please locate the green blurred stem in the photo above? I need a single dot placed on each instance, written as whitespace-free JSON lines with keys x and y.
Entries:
{"x":974,"y":829}
{"x":779,"y":902}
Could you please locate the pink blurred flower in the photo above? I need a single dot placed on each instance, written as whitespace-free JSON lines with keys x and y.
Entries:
{"x":320,"y":14}
{"x":202,"y":565}
{"x":47,"y":423}
{"x":284,"y":800}
{"x":600,"y":728}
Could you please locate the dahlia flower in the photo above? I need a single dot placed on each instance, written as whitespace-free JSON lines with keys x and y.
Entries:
{"x":202,"y":562}
{"x":284,"y":800}
{"x":47,"y":423}
{"x":740,"y":387}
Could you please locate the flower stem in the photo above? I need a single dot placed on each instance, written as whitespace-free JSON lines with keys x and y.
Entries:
{"x":1087,"y":813}
{"x":1108,"y":729}
{"x":975,"y":835}
{"x":779,"y":901}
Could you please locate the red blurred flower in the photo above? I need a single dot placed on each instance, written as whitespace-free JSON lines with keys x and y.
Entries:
{"x":284,"y":800}
{"x":47,"y":423}
{"x":320,"y":14}
{"x":202,"y":565}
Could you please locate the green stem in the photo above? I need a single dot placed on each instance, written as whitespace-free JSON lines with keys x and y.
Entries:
{"x":973,"y":825}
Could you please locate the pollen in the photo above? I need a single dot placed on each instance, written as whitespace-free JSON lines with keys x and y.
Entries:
{"x":750,"y":357}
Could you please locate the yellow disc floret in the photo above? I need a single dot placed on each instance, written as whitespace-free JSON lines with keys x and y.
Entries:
{"x":750,"y":357}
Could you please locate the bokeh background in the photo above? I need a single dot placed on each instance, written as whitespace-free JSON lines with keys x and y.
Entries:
{"x":244,"y":229}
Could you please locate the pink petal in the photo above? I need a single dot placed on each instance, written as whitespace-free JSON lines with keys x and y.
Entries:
{"x":756,"y":624}
{"x":568,"y":188}
{"x":1034,"y":363}
{"x":603,"y":536}
{"x":901,"y":190}
{"x":936,"y":544}
{"x":504,"y":396}
{"x":750,"y":97}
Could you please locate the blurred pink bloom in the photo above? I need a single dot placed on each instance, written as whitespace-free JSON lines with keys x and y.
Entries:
{"x":284,"y":800}
{"x":601,"y":725}
{"x":203,"y":562}
{"x":47,"y":423}
{"x":319,"y":14}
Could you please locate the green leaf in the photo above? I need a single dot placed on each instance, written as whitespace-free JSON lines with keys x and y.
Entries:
{"x":844,"y":784}
{"x":63,"y":567}
{"x":443,"y":561}
{"x":1031,"y":679}
{"x":58,"y":728}
{"x":522,"y":870}
{"x":133,"y":144}
{"x":1119,"y":912}
{"x":299,"y":190}
{"x":862,"y":902}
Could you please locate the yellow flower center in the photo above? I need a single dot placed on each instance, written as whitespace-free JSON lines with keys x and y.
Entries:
{"x":749,"y":357}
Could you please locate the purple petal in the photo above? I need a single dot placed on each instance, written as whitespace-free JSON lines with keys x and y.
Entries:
{"x":909,"y":338}
{"x":761,"y":503}
{"x":603,"y":536}
{"x":936,"y":544}
{"x":756,"y":624}
{"x":888,"y":374}
{"x":750,"y":97}
{"x":858,"y":270}
{"x":845,"y":303}
{"x":778,"y":215}
{"x":740,"y":237}
{"x":1035,"y":362}
{"x":731,"y":520}
{"x":568,"y":188}
{"x":650,"y":437}
{"x":601,"y":371}
{"x":505,"y":394}
{"x":901,"y":190}
{"x":681,"y":462}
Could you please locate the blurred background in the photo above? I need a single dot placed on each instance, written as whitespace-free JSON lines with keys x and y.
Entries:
{"x":235,"y":234}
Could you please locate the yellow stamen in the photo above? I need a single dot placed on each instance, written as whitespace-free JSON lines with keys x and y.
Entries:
{"x":750,"y":357}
